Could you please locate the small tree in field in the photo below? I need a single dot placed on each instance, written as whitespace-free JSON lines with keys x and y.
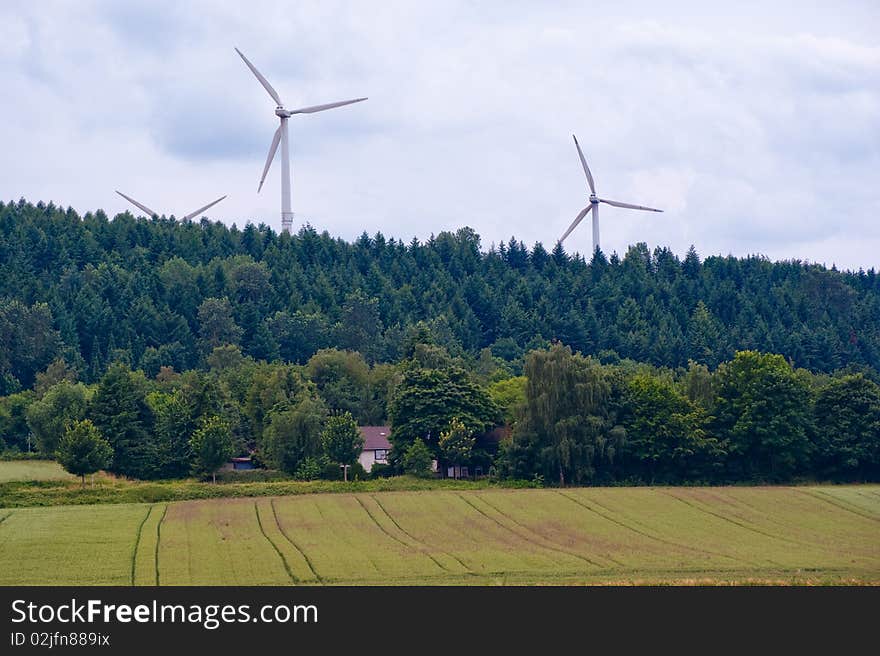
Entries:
{"x":417,"y":459}
{"x":211,"y":446}
{"x":342,"y":441}
{"x":83,"y":450}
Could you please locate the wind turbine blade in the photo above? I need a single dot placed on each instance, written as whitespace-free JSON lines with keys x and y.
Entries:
{"x":143,"y":208}
{"x":628,"y":206}
{"x":584,"y":163}
{"x":577,"y":219}
{"x":260,"y":77}
{"x":202,"y":209}
{"x":271,"y":156}
{"x":321,"y":108}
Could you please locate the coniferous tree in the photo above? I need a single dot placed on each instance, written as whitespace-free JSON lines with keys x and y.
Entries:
{"x":120,"y":412}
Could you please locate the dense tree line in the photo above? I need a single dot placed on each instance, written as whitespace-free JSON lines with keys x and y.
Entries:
{"x":755,"y":418}
{"x":163,"y":347}
{"x":158,"y":292}
{"x":568,"y":419}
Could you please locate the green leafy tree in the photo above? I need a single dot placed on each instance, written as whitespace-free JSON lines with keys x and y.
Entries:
{"x":666,"y":436}
{"x":272,"y":388}
{"x":55,"y":373}
{"x":426,"y":401}
{"x":293,"y":435}
{"x":14,"y":430}
{"x":509,"y":395}
{"x":83,"y":450}
{"x":457,"y":443}
{"x":698,"y":385}
{"x":417,"y":459}
{"x":61,"y":405}
{"x":342,"y":442}
{"x":212,"y":445}
{"x":343,"y":380}
{"x":847,"y":424}
{"x":566,"y":431}
{"x":763,"y":410}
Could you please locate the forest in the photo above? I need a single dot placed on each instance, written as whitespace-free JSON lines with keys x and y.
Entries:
{"x":159,"y":334}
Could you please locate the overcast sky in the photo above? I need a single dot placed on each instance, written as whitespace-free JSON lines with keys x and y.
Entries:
{"x":755,"y":127}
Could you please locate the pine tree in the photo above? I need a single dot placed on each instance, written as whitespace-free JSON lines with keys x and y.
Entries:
{"x":119,"y":410}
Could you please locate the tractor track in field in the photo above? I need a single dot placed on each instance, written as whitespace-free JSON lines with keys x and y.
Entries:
{"x":542,"y":542}
{"x":6,"y":516}
{"x":870,"y":496}
{"x":747,"y":527}
{"x":421,"y":547}
{"x":305,"y":556}
{"x":159,"y":541}
{"x":770,"y":518}
{"x":782,"y":523}
{"x":137,"y":542}
{"x":839,"y":503}
{"x":274,"y":546}
{"x":645,"y":533}
{"x":468,"y":570}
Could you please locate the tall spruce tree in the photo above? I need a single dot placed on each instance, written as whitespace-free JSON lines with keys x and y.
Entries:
{"x":120,"y":411}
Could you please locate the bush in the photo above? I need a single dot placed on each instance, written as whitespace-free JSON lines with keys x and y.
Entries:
{"x":333,"y":472}
{"x":381,"y":470}
{"x":417,"y":459}
{"x":309,"y":469}
{"x":15,"y":454}
{"x":252,"y":476}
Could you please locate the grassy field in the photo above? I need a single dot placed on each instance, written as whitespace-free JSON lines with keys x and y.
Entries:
{"x":488,"y":536}
{"x":33,"y":470}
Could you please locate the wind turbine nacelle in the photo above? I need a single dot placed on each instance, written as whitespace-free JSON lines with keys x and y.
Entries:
{"x":283,"y":113}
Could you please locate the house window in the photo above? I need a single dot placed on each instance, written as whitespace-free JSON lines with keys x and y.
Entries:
{"x":381,"y":455}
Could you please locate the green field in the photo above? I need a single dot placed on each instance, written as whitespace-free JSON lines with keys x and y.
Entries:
{"x":33,"y":470}
{"x":567,"y":536}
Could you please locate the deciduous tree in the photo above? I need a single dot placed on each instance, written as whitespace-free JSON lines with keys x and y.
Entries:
{"x":83,"y":450}
{"x":342,"y":441}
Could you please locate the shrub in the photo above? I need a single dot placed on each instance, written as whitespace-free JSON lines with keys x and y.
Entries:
{"x":417,"y":459}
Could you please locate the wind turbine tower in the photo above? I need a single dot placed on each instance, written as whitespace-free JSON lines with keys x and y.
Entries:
{"x":594,"y":203}
{"x":281,"y":135}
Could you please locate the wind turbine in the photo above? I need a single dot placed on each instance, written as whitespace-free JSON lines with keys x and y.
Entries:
{"x":281,"y":135}
{"x":152,"y":213}
{"x":594,"y":203}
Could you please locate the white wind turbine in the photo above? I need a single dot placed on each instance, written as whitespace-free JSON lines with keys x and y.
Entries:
{"x":152,"y":213}
{"x":594,"y":203}
{"x":281,"y":135}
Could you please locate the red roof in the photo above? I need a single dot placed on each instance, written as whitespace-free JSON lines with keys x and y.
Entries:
{"x":375,"y":437}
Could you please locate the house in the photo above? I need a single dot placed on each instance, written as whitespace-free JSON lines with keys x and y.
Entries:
{"x":376,"y":446}
{"x":237,"y":464}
